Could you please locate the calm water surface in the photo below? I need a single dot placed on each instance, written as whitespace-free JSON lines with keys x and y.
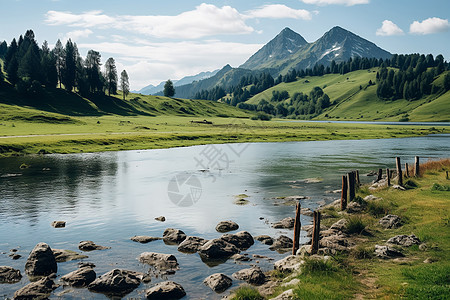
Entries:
{"x":109,"y":197}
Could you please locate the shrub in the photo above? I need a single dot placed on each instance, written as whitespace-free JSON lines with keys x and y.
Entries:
{"x":355,"y":225}
{"x":262,"y":116}
{"x":410,"y":184}
{"x":439,"y":187}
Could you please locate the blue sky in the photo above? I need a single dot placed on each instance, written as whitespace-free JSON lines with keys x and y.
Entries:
{"x":157,"y":40}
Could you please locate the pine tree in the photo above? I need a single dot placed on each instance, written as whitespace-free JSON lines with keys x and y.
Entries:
{"x":94,"y":77}
{"x":111,"y":76}
{"x":169,"y":90}
{"x":59,"y":54}
{"x":124,"y":84}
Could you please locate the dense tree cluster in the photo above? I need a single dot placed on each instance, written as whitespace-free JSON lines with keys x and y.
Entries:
{"x":409,"y":76}
{"x":30,"y":67}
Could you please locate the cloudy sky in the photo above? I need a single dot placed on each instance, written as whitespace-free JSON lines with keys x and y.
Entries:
{"x":158,"y":40}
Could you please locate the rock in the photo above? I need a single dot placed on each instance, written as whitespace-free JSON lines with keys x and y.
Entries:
{"x":160,"y":218}
{"x":15,"y":256}
{"x":265,"y":239}
{"x":218,"y":249}
{"x":166,"y":290}
{"x":144,"y":239}
{"x":288,"y":264}
{"x":86,"y":264}
{"x":173,"y":236}
{"x":390,"y":222}
{"x":191,"y":244}
{"x":40,"y":289}
{"x":387,"y":252}
{"x":226,"y":226}
{"x":268,"y":288}
{"x":67,"y":255}
{"x":252,"y":275}
{"x":398,"y":187}
{"x":304,"y":250}
{"x":41,"y":261}
{"x":354,"y":207}
{"x":336,"y":204}
{"x":370,"y":198}
{"x":116,"y":282}
{"x":285,"y":223}
{"x":240,"y":257}
{"x":261,"y":256}
{"x":80,"y":277}
{"x":286,"y":295}
{"x":429,"y":260}
{"x":306,"y":212}
{"x":241,"y":201}
{"x":242,"y":240}
{"x":282,"y":244}
{"x":159,"y":260}
{"x":338,"y":242}
{"x":423,"y":247}
{"x":59,"y":224}
{"x":90,"y":246}
{"x":340,"y":225}
{"x":404,"y":240}
{"x":9,"y":275}
{"x":294,"y":281}
{"x":218,"y":282}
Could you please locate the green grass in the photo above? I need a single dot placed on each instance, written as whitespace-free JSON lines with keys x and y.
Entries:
{"x":352,"y":103}
{"x":246,"y":292}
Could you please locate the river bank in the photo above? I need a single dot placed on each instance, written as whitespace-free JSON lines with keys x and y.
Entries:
{"x":389,"y":243}
{"x":115,"y":133}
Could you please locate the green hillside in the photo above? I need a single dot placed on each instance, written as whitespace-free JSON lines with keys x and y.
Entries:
{"x":353,"y":99}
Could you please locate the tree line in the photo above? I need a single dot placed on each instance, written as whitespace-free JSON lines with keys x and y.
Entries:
{"x":29,"y":68}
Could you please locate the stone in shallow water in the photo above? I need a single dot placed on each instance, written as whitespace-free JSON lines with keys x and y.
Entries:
{"x":41,"y":261}
{"x":218,"y":282}
{"x":166,"y":290}
{"x":265,"y":239}
{"x":285,"y":223}
{"x":117,"y":282}
{"x":252,"y":275}
{"x":173,"y":236}
{"x":90,"y":246}
{"x":40,"y":289}
{"x":59,"y":224}
{"x":143,"y":239}
{"x":160,"y":261}
{"x":191,"y":244}
{"x":218,"y":249}
{"x":242,"y":240}
{"x":226,"y":226}
{"x":67,"y":255}
{"x":9,"y":275}
{"x":80,"y":277}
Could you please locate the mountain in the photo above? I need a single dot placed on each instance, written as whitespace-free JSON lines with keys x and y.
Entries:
{"x":287,"y":51}
{"x":151,"y":89}
{"x":279,"y":48}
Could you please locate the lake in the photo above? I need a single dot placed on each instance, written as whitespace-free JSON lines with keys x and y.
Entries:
{"x":111,"y":196}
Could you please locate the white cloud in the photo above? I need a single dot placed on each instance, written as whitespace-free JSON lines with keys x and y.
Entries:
{"x":205,"y":20}
{"x":279,"y":11}
{"x":430,"y":25}
{"x":389,"y":28}
{"x":160,"y":61}
{"x":77,"y":34}
{"x":341,"y":2}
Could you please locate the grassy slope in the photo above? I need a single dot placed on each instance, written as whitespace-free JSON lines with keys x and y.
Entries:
{"x":351,"y":103}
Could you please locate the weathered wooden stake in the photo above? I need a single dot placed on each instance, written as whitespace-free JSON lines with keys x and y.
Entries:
{"x":358,"y":182}
{"x":297,"y":226}
{"x":399,"y":171}
{"x":406,"y":170}
{"x":344,"y":193}
{"x":388,"y":176}
{"x":416,"y":167}
{"x":316,"y":233}
{"x":351,"y":186}
{"x":380,"y":174}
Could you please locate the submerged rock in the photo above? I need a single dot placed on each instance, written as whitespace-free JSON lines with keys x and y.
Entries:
{"x":40,"y":289}
{"x":265,"y":239}
{"x":285,"y":223}
{"x":218,"y":249}
{"x":41,"y":261}
{"x":90,"y":246}
{"x":116,"y":282}
{"x":144,"y":239}
{"x":218,"y":282}
{"x":282,"y":244}
{"x":80,"y":277}
{"x":67,"y":255}
{"x":173,"y":236}
{"x":9,"y":275}
{"x":159,"y":260}
{"x":160,"y":218}
{"x":242,"y":240}
{"x":191,"y":244}
{"x":165,"y":290}
{"x":59,"y":224}
{"x":226,"y":226}
{"x":252,"y":275}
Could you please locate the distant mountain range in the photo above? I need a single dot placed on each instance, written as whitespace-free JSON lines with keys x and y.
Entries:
{"x":287,"y":51}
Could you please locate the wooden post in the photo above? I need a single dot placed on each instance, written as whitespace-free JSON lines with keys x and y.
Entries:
{"x":297,"y":226}
{"x":406,"y":170}
{"x":416,"y":167}
{"x":351,"y":186}
{"x":388,"y":176}
{"x":380,"y":174}
{"x":344,"y":193}
{"x":358,"y":182}
{"x":399,"y":171}
{"x":316,"y":233}
{"x":446,"y":172}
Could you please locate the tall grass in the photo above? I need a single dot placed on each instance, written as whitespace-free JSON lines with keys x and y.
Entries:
{"x":435,"y":165}
{"x":247,"y":292}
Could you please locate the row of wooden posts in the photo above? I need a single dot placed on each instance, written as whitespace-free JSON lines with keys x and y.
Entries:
{"x":350,"y":183}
